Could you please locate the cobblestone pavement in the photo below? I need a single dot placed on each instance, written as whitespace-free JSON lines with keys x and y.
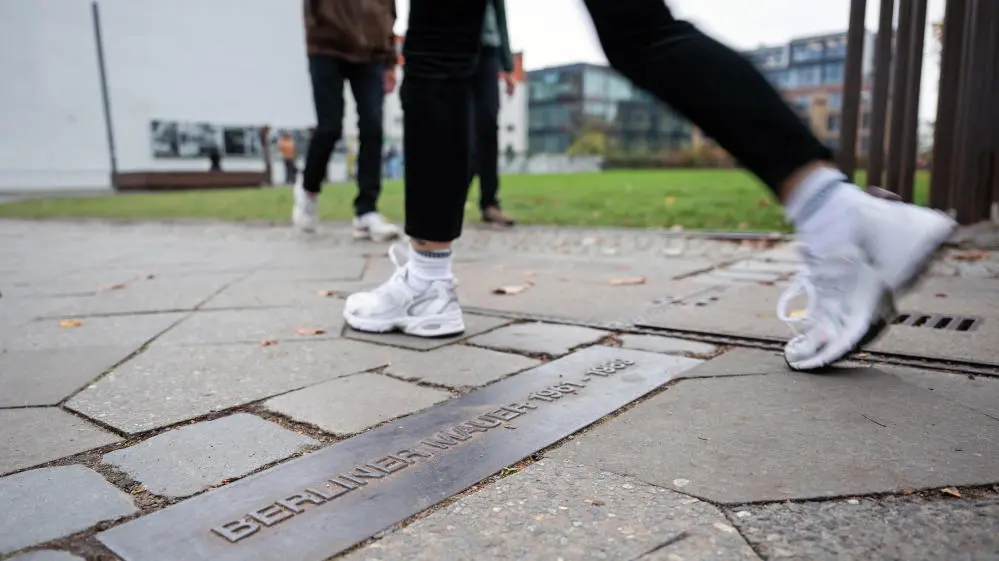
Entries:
{"x":145,"y":364}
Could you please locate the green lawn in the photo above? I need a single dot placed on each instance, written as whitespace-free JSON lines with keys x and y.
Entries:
{"x":693,"y":199}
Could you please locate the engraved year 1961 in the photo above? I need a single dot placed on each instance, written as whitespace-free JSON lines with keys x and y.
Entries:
{"x":603,"y":369}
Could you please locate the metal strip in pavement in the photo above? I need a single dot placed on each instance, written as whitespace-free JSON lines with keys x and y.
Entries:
{"x":323,"y":503}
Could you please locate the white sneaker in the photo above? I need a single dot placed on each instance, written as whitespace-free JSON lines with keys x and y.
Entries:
{"x":848,"y":305}
{"x":304,"y":215}
{"x":901,"y":239}
{"x":434,"y":312}
{"x":373,"y":226}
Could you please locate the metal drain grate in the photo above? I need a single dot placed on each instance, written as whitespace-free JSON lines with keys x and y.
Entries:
{"x":937,"y":321}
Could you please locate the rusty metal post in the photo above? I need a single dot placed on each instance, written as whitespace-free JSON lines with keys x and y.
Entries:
{"x":910,"y":124}
{"x":852,"y":81}
{"x":879,"y":103}
{"x":941,"y":178}
{"x":963,"y":145}
{"x":899,"y":80}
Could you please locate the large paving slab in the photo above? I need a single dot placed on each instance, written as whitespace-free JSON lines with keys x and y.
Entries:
{"x":181,"y":292}
{"x":125,"y":331}
{"x":327,"y":267}
{"x":192,"y":458}
{"x":411,"y":464}
{"x":351,"y":404}
{"x":474,"y":325}
{"x":980,"y":393}
{"x":167,"y":384}
{"x":29,"y":437}
{"x":786,"y":436}
{"x":459,"y":366}
{"x":264,"y":292}
{"x":46,"y":377}
{"x":585,"y":290}
{"x":539,"y":338}
{"x":748,"y":310}
{"x":208,"y":327}
{"x":909,"y":528}
{"x":560,"y":510}
{"x":53,"y":502}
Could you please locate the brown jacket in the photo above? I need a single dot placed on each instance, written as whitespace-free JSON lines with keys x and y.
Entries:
{"x":352,"y":30}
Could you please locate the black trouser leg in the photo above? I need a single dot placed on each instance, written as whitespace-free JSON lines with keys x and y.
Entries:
{"x":367,"y":82}
{"x":442,"y":42}
{"x":290,"y":172}
{"x":485,"y":94}
{"x":713,"y":86}
{"x":327,"y":92}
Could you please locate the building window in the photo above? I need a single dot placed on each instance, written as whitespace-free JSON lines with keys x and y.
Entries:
{"x":836,"y":47}
{"x":865,"y":120}
{"x":510,"y":128}
{"x":833,"y":123}
{"x":806,"y":77}
{"x":832,"y":73}
{"x":864,"y":143}
{"x":835,"y":100}
{"x":807,"y":51}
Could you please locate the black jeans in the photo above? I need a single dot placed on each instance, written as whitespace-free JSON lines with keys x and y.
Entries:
{"x":714,"y":87}
{"x":290,"y":172}
{"x":485,"y":148}
{"x":368,"y":86}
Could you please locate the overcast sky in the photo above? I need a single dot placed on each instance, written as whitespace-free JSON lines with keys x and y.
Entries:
{"x":553,"y":32}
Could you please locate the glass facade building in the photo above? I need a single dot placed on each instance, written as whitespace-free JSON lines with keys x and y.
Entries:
{"x":565,"y":101}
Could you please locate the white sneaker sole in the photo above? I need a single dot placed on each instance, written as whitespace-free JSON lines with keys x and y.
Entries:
{"x":440,"y":325}
{"x":877,"y":313}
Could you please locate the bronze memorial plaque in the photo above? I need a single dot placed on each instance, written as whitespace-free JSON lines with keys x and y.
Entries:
{"x":318,"y":505}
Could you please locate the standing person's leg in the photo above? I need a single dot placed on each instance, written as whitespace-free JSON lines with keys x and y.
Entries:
{"x":858,"y":249}
{"x":327,"y":93}
{"x":290,"y":172}
{"x":485,"y":86}
{"x":367,"y":82}
{"x":441,"y":45}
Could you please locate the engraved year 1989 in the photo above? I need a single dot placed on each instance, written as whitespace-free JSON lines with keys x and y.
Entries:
{"x":602,"y":370}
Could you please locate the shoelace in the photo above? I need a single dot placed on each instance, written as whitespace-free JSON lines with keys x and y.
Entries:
{"x":817,"y":280}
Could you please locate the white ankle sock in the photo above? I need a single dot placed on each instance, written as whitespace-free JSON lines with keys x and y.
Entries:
{"x":820,"y":209}
{"x":426,"y":267}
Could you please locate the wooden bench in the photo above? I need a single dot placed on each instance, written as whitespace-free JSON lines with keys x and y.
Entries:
{"x":189,"y":180}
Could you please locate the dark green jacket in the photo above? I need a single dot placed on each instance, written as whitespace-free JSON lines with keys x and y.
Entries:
{"x":506,"y":55}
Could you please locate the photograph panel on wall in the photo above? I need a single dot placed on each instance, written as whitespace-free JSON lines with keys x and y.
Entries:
{"x":183,"y":139}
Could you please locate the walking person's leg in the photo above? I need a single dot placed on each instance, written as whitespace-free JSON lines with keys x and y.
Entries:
{"x":442,"y":41}
{"x":485,"y":86}
{"x":367,"y":82}
{"x":858,"y":250}
{"x":290,"y":172}
{"x":327,"y":93}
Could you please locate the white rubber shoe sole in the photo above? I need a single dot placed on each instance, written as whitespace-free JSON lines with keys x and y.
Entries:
{"x":439,"y":325}
{"x":361,"y":234}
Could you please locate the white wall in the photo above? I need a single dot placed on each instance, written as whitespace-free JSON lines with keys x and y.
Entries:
{"x":224,"y":62}
{"x":51,"y":125}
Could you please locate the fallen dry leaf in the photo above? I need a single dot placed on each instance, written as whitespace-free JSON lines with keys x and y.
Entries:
{"x":627,"y":281}
{"x":907,"y":491}
{"x":974,"y":255}
{"x":268,"y":342}
{"x":670,"y":201}
{"x":951,"y":491}
{"x":743,"y":225}
{"x":326,"y":293}
{"x":310,"y":331}
{"x":762,"y":203}
{"x":116,"y":286}
{"x":940,"y":295}
{"x":512,"y":289}
{"x":676,"y":228}
{"x":150,"y":276}
{"x":70,"y":323}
